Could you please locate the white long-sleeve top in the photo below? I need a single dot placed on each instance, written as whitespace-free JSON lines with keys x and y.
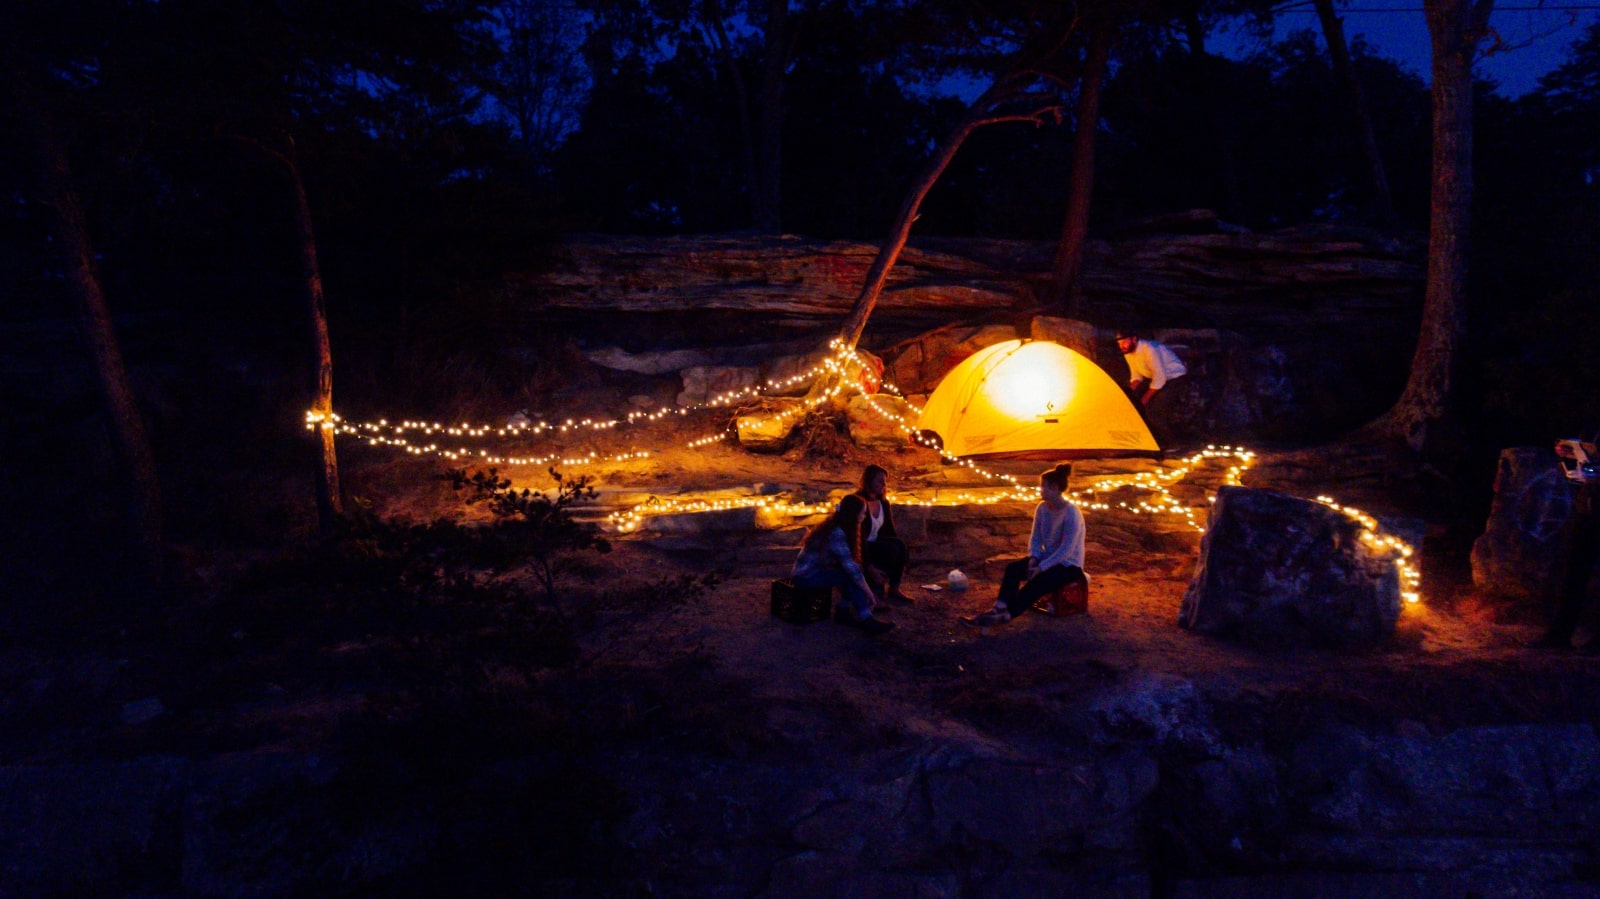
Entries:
{"x":1057,"y":537}
{"x":1154,"y":362}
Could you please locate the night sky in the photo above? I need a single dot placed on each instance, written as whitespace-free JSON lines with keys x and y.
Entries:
{"x":1540,"y":34}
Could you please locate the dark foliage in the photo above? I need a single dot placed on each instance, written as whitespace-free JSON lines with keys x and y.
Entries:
{"x":448,"y":559}
{"x":530,"y":526}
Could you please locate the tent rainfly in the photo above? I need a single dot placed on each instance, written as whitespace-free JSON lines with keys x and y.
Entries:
{"x":1034,"y":399}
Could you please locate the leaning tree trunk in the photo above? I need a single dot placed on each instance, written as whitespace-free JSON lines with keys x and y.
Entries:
{"x":1065,"y":289}
{"x":1379,"y":197}
{"x":1007,"y":89}
{"x":978,"y":116}
{"x":856,"y":321}
{"x":133,"y":444}
{"x":1454,"y":27}
{"x":329,"y":502}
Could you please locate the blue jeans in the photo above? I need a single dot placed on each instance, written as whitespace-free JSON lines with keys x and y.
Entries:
{"x":851,"y":587}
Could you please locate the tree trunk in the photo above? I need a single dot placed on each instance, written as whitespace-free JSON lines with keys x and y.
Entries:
{"x":133,"y":444}
{"x":856,"y":321}
{"x":1454,"y":27}
{"x":1380,"y":200}
{"x":1006,"y":88}
{"x":1065,"y":290}
{"x":768,"y":187}
{"x":329,"y":500}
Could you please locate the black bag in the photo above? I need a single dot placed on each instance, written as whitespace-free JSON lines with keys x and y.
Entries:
{"x":800,"y":605}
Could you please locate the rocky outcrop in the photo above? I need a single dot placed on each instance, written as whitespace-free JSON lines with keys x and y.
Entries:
{"x":232,"y":825}
{"x":1079,"y":336}
{"x":1522,"y":552}
{"x":710,"y":383}
{"x":917,"y":365}
{"x":1227,"y":274}
{"x":1290,"y":335}
{"x":786,"y":276}
{"x":1276,"y":570}
{"x":1144,"y":783}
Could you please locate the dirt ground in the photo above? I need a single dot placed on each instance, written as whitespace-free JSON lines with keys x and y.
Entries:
{"x":932,"y":677}
{"x":589,"y":736}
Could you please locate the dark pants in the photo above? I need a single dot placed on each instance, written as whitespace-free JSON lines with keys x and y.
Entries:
{"x":1162,"y":413}
{"x":1019,"y":597}
{"x":1585,"y":551}
{"x":889,"y":555}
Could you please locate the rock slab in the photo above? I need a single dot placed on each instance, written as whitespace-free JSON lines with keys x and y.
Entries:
{"x":1522,"y":552}
{"x":1276,"y":570}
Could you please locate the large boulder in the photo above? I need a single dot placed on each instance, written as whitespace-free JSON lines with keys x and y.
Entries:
{"x":768,"y":429}
{"x":1080,"y":336}
{"x":875,"y":420}
{"x":1524,"y":545}
{"x":793,"y":374}
{"x":1282,"y":571}
{"x":918,"y":365}
{"x":649,"y":363}
{"x":711,"y":383}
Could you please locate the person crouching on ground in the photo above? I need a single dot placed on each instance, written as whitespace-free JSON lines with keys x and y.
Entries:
{"x":882,"y":549}
{"x":830,"y":556}
{"x":1152,"y":369}
{"x":1055,"y":553}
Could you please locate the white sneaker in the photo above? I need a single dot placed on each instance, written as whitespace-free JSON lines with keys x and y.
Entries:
{"x":996,"y":615}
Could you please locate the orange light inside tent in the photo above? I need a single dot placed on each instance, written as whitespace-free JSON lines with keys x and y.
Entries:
{"x":1032,"y":384}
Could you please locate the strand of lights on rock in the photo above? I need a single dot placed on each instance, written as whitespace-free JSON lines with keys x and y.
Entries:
{"x":1372,"y":535}
{"x":841,"y":363}
{"x":382,"y":433}
{"x":463,"y":454}
{"x":629,"y":520}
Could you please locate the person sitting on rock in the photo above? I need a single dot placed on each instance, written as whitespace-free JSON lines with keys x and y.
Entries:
{"x":1055,"y":553}
{"x":1152,"y":369}
{"x":830,"y":556}
{"x":882,"y":549}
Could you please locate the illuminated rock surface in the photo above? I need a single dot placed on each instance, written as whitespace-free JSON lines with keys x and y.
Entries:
{"x":1276,"y":570}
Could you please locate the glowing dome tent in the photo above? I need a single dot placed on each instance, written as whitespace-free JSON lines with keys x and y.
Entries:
{"x":1034,"y":398}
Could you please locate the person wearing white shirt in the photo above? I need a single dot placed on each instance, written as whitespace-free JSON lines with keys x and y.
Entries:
{"x":1152,"y":367}
{"x":1055,"y":553}
{"x":883,"y":553}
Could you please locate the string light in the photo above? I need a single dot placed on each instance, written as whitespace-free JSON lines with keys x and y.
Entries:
{"x":1373,"y":536}
{"x":408,"y":435}
{"x":841,"y":364}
